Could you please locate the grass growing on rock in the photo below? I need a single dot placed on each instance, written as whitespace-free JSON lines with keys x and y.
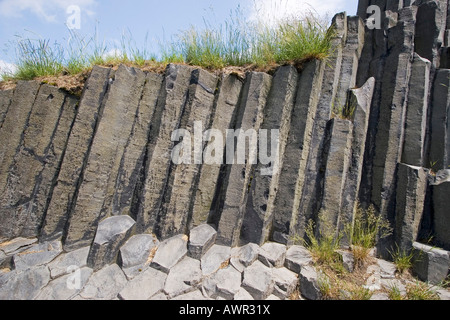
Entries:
{"x":239,"y":42}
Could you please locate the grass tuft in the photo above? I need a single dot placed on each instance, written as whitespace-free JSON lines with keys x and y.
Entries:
{"x":238,"y":42}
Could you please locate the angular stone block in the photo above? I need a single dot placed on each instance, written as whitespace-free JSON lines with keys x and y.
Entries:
{"x":272,"y":254}
{"x":285,"y":282}
{"x":135,"y":254}
{"x":214,"y":259}
{"x":24,"y":285}
{"x":169,"y":253}
{"x":297,"y":257}
{"x":411,"y":190}
{"x":111,"y":235}
{"x":225,"y":284}
{"x":309,"y":283}
{"x":64,"y":263}
{"x":16,"y":245}
{"x":258,"y":281}
{"x":183,"y":277}
{"x":201,"y":239}
{"x":242,"y":257}
{"x":104,"y":284}
{"x":37,"y":255}
{"x":59,"y":289}
{"x":430,"y":264}
{"x":144,"y":286}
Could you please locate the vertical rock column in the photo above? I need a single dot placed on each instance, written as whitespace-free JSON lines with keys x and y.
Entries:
{"x":171,"y":104}
{"x":411,"y":190}
{"x":441,"y":204}
{"x":5,"y":102}
{"x":224,"y":116}
{"x":233,"y":196}
{"x":336,"y":166}
{"x":287,"y":199}
{"x":132,"y":161}
{"x":359,"y":102}
{"x":36,"y":162}
{"x":183,"y":178}
{"x":351,"y":54}
{"x":394,"y":90}
{"x":104,"y":159}
{"x":75,"y":156}
{"x":416,"y":112}
{"x":14,"y":124}
{"x":440,"y":121}
{"x":260,"y":204}
{"x":309,"y":199}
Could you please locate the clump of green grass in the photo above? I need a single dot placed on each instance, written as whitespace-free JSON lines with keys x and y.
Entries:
{"x":237,"y":42}
{"x":420,"y":291}
{"x":402,"y":259}
{"x":323,"y":243}
{"x":367,"y":228}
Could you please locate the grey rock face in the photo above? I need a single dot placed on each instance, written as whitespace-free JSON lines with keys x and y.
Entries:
{"x":144,"y":286}
{"x":63,"y":263}
{"x":242,"y":257}
{"x":411,"y":190}
{"x":96,"y":191}
{"x":111,"y":235}
{"x":77,"y":150}
{"x":135,"y":253}
{"x":183,"y":277}
{"x":170,"y":106}
{"x":169,"y":253}
{"x":16,"y":245}
{"x":234,"y":194}
{"x":37,"y":255}
{"x":272,"y":254}
{"x":258,"y":281}
{"x":309,"y":283}
{"x":104,"y":284}
{"x":214,"y":258}
{"x":201,"y":239}
{"x":431,"y":264}
{"x":285,"y":281}
{"x":441,"y":214}
{"x":226,"y":109}
{"x":287,"y":199}
{"x":66,"y":287}
{"x":225,"y":284}
{"x":24,"y":285}
{"x":296,"y":258}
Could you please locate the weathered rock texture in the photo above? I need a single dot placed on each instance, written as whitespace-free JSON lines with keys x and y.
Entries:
{"x":370,"y":125}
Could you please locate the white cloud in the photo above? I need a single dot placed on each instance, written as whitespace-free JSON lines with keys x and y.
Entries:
{"x":271,"y":11}
{"x":48,"y":10}
{"x":6,"y":68}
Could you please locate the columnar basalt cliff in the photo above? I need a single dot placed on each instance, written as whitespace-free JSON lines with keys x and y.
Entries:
{"x":68,"y":163}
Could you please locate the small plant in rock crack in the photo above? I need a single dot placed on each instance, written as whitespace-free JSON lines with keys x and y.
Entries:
{"x":403,"y":259}
{"x":367,"y":228}
{"x":323,"y":242}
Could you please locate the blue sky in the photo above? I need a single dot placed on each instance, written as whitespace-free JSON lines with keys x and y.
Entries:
{"x":159,"y":20}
